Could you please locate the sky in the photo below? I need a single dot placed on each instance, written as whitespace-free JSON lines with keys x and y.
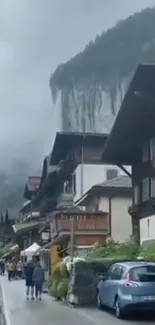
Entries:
{"x":36,"y":36}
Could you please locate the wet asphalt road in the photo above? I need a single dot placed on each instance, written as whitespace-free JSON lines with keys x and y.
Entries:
{"x":48,"y":312}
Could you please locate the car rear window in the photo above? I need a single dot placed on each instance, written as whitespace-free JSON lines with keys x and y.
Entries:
{"x":143,"y":273}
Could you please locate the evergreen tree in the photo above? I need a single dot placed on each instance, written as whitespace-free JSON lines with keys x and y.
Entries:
{"x":1,"y":220}
{"x":6,"y":217}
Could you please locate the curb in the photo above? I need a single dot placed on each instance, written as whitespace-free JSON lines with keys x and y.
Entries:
{"x":5,"y":312}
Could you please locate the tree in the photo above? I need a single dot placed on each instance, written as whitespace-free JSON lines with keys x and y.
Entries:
{"x":6,"y":217}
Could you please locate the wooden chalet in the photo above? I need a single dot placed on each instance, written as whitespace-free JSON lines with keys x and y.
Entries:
{"x":132,"y":142}
{"x":69,"y":150}
{"x":26,"y":229}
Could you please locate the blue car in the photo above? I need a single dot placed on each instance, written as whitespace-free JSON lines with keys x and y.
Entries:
{"x":127,"y":287}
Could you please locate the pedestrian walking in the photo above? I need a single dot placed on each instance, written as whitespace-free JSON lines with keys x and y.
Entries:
{"x":28,"y":270}
{"x":14,"y":273}
{"x":10,"y":269}
{"x":19,"y":270}
{"x":38,"y":279}
{"x":2,"y":267}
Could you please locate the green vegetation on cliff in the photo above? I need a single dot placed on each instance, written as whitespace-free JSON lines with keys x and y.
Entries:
{"x":111,"y":57}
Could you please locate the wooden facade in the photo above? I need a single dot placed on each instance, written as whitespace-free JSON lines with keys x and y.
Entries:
{"x":132,"y":142}
{"x":87,"y":228}
{"x":57,"y":184}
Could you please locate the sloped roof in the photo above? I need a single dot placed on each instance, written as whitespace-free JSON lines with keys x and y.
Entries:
{"x":134,"y":123}
{"x":120,"y":181}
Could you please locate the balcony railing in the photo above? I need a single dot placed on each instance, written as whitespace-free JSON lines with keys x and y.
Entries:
{"x":84,"y":223}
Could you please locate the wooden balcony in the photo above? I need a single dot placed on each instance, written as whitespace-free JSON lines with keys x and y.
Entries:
{"x":97,"y":223}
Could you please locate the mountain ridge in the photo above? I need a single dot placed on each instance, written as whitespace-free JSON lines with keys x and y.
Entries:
{"x":101,"y":58}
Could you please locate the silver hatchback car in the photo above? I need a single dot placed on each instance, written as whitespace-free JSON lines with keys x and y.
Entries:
{"x":127,"y":287}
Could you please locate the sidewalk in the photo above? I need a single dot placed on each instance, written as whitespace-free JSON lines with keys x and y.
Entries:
{"x":19,"y":311}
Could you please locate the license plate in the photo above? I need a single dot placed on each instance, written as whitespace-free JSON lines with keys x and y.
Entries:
{"x":148,"y":298}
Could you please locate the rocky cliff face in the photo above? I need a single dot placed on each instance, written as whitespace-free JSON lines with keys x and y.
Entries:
{"x":87,"y":90}
{"x":90,"y":109}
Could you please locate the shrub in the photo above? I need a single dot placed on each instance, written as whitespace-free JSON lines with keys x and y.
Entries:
{"x":148,"y":253}
{"x":58,"y":284}
{"x":112,"y":249}
{"x":62,"y":288}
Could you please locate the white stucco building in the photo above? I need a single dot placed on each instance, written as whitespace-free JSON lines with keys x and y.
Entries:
{"x":87,"y":175}
{"x":113,"y":196}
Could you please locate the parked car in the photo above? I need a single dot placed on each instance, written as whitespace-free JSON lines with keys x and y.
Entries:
{"x":127,"y":287}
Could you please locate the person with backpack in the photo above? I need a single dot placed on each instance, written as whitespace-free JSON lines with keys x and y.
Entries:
{"x":28,"y":271}
{"x":38,"y":278}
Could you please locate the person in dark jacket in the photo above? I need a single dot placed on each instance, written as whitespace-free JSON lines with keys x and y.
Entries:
{"x":28,"y":271}
{"x":38,"y":279}
{"x":2,"y":267}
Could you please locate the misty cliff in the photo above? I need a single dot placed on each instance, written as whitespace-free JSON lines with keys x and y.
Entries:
{"x":88,"y":89}
{"x":12,"y":182}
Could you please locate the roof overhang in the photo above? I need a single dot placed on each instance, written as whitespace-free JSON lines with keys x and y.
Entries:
{"x":135,"y":120}
{"x":25,"y":206}
{"x":20,"y":228}
{"x":65,"y":142}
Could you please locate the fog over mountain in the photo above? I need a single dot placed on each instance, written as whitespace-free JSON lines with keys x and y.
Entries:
{"x":35,"y":36}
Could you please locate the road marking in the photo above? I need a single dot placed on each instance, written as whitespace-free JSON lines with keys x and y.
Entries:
{"x":87,"y":316}
{"x":7,"y":313}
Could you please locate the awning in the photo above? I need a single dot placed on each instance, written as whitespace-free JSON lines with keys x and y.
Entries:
{"x":14,"y":248}
{"x":31,"y":250}
{"x":9,"y":249}
{"x":21,"y":227}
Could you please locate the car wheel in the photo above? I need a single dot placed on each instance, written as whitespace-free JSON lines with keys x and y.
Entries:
{"x":99,"y":304}
{"x":118,"y":309}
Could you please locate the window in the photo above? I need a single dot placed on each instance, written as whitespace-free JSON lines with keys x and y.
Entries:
{"x":136,"y":194}
{"x":145,"y":189}
{"x":143,"y":273}
{"x":146,"y":152}
{"x":115,"y":273}
{"x":153,"y":187}
{"x":112,"y":173}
